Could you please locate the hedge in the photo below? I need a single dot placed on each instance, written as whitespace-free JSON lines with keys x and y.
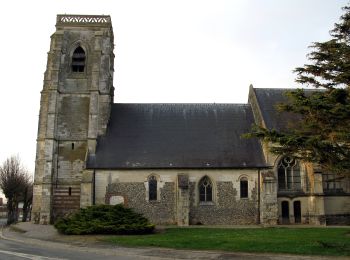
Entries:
{"x":104,"y":219}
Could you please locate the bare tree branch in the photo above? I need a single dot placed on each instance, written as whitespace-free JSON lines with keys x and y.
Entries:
{"x":16,"y":185}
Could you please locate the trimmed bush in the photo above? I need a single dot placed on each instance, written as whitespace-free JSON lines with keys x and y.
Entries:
{"x":104,"y":219}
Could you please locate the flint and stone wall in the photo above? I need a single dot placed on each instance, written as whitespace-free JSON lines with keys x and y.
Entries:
{"x":227,"y":208}
{"x":160,"y":211}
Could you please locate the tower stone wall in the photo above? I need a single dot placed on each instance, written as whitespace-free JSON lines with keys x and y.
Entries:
{"x":74,"y":111}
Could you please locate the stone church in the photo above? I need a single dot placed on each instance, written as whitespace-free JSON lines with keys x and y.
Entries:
{"x":183,"y":164}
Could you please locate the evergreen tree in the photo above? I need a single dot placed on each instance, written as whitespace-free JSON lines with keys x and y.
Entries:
{"x":322,"y":135}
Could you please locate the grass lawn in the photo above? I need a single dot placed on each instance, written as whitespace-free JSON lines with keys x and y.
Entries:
{"x":308,"y":241}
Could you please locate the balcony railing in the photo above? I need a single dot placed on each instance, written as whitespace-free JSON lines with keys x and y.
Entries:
{"x":63,"y":19}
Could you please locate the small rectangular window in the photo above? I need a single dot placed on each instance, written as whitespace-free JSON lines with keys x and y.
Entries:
{"x":244,"y":189}
{"x":332,"y":182}
{"x":152,"y":188}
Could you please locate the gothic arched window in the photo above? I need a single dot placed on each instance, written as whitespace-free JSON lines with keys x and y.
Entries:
{"x":78,"y":60}
{"x":289,"y":174}
{"x":152,"y":188}
{"x":244,"y":187}
{"x":205,"y":189}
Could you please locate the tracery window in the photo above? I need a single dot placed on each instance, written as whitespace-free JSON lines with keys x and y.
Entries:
{"x":244,"y":187}
{"x":152,"y":188}
{"x":205,"y":190}
{"x":78,"y":60}
{"x":289,"y":174}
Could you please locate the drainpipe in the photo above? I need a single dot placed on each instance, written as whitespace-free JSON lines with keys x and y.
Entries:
{"x":94,"y":188}
{"x":259,"y":221}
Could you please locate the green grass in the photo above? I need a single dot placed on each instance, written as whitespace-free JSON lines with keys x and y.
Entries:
{"x":308,"y":241}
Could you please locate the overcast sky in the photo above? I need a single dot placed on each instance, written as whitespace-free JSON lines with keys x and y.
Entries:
{"x":165,"y":51}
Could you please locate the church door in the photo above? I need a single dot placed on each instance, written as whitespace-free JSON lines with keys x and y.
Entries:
{"x":285,"y":212}
{"x":297,"y":211}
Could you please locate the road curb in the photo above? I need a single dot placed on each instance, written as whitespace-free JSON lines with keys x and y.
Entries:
{"x":8,"y":238}
{"x":54,"y":244}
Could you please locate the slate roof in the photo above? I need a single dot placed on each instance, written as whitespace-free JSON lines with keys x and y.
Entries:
{"x":178,"y":136}
{"x":267,"y":99}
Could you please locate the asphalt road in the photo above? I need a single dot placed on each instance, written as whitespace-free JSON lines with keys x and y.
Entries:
{"x":19,"y":250}
{"x":16,"y":250}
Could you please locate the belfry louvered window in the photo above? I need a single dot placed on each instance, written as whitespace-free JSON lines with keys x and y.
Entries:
{"x":205,"y":190}
{"x":78,"y":60}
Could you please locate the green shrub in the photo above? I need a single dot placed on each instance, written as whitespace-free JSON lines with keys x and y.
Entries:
{"x":104,"y":219}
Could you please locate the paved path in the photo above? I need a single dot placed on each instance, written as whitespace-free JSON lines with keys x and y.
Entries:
{"x":43,"y":242}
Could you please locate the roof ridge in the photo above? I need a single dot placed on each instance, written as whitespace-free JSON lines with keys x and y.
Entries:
{"x":194,"y":104}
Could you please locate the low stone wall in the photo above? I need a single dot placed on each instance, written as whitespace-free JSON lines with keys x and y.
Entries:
{"x":338,"y":219}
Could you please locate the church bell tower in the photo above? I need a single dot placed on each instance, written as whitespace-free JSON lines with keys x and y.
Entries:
{"x":74,"y":110}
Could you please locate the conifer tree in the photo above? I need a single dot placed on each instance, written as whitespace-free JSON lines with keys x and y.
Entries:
{"x":322,"y":135}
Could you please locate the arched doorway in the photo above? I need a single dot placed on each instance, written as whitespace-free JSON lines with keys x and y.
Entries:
{"x":285,"y":212}
{"x":297,"y":211}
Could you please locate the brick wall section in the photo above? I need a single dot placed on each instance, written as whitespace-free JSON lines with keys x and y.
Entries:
{"x":63,"y":202}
